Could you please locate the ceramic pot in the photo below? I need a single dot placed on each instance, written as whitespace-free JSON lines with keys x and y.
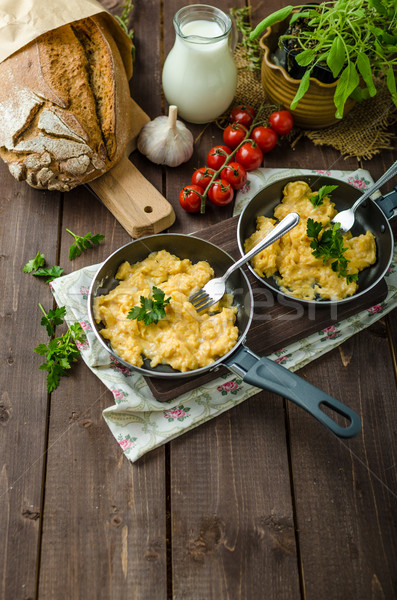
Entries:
{"x":316,"y":109}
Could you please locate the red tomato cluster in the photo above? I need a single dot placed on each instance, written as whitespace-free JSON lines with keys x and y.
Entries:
{"x":248,"y":150}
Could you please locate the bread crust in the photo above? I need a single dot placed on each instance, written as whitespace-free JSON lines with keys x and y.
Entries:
{"x":64,"y":106}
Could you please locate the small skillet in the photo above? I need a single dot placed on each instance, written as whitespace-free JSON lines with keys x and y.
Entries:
{"x":373,"y":215}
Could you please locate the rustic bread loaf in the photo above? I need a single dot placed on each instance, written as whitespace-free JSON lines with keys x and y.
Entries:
{"x":64,"y":106}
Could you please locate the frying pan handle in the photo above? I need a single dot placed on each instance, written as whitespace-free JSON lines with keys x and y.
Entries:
{"x":388,"y":203}
{"x":269,"y":375}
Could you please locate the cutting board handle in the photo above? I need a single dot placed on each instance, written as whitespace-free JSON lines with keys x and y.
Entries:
{"x":136,"y":204}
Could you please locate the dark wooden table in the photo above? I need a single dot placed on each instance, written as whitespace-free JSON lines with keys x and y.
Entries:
{"x":261,"y":502}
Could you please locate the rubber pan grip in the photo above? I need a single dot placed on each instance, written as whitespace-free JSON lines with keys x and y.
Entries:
{"x":269,"y":375}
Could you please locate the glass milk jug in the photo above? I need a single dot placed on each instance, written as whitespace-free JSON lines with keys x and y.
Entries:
{"x":199,"y":74}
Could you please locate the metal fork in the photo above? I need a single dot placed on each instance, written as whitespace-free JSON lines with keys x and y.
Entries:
{"x":346,"y":217}
{"x":214,"y":289}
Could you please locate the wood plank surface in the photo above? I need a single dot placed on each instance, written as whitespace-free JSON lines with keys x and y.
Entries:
{"x":104,"y":526}
{"x":233,"y":533}
{"x":345,"y":491}
{"x":28,"y":224}
{"x":261,"y":502}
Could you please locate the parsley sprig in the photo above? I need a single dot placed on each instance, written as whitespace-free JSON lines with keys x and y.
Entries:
{"x":83,"y":243}
{"x":53,"y":318}
{"x":50,"y":272}
{"x":37,"y":263}
{"x":61,"y":351}
{"x":151,"y":310}
{"x":324,"y":191}
{"x":329,"y":246}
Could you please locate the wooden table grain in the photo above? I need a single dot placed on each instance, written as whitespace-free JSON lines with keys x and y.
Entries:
{"x":260,"y":503}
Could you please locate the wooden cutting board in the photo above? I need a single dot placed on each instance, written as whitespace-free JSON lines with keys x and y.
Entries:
{"x":136,"y":204}
{"x":276,"y":323}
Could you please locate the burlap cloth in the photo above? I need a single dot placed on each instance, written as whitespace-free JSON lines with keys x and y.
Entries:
{"x":362,"y":133}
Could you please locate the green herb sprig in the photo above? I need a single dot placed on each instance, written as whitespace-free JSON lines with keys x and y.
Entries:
{"x":324,"y":191}
{"x":151,"y":310}
{"x":37,"y":263}
{"x":61,"y":351}
{"x":242,"y":19}
{"x":124,"y":20}
{"x":50,"y":272}
{"x":329,"y":246}
{"x":83,"y":243}
{"x":53,"y":318}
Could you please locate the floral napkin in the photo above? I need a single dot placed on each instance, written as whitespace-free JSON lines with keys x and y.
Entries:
{"x":137,"y":420}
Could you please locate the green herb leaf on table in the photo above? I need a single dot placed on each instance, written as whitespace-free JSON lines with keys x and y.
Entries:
{"x":323,"y":192}
{"x":53,"y":318}
{"x":329,"y":246}
{"x":83,"y":243}
{"x":50,"y":272}
{"x":60,"y":351}
{"x":35,"y":263}
{"x":151,"y":310}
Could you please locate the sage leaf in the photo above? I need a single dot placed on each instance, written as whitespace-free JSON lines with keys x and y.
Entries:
{"x":279,"y":15}
{"x":364,"y":67}
{"x":302,"y":89}
{"x":347,"y":83}
{"x":337,"y":56}
{"x":305,"y":58}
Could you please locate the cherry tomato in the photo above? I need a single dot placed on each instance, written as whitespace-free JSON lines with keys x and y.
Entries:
{"x":281,"y":121}
{"x":202,"y":176}
{"x":217,"y":156}
{"x":234,"y":134}
{"x":189,"y":198}
{"x":265,"y":137}
{"x":243,"y":114}
{"x":220,"y":192}
{"x":235,"y":174}
{"x":249,"y":155}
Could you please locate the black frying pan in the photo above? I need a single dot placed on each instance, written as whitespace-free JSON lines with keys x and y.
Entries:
{"x":260,"y":372}
{"x":372,"y":215}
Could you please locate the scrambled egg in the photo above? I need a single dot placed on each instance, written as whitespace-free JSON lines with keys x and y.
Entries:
{"x":290,"y":259}
{"x":185,"y":340}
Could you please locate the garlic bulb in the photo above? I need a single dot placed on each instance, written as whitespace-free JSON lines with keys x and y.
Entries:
{"x":166,"y":141}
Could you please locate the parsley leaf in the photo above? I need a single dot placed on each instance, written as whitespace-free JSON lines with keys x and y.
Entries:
{"x":83,"y":243}
{"x":52,"y":318}
{"x":60,"y":351}
{"x":329,"y":246}
{"x":50,"y":272}
{"x":313,"y":228}
{"x":151,"y":310}
{"x":35,"y":263}
{"x":324,"y":191}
